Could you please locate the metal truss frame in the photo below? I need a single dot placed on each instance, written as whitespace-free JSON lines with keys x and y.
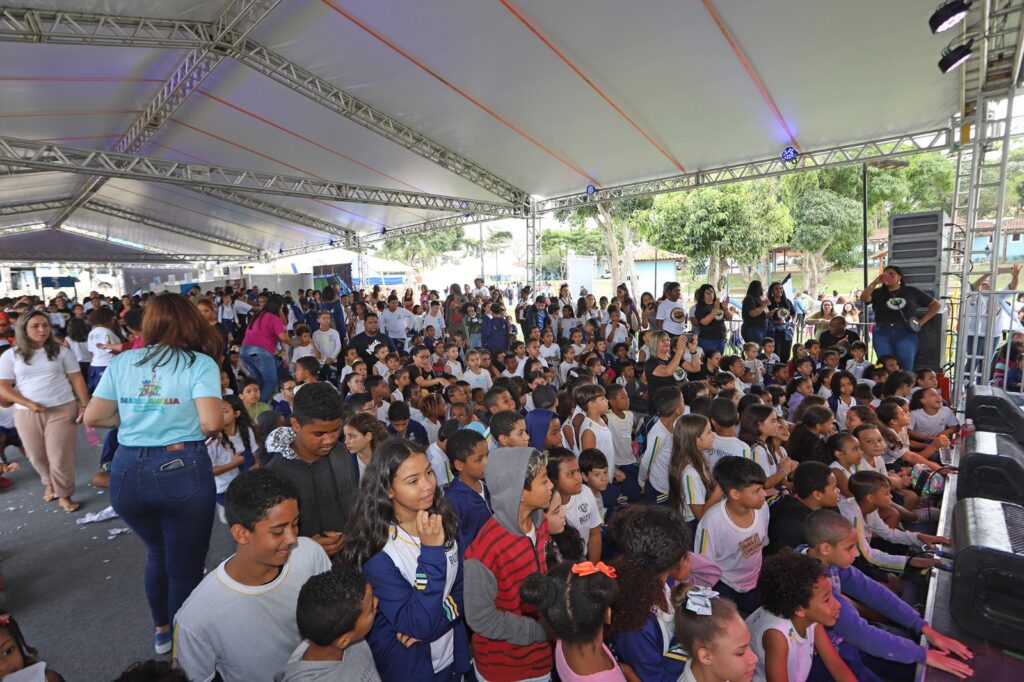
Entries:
{"x":254,"y":203}
{"x":127,"y":214}
{"x":238,"y":15}
{"x":80,"y":28}
{"x":120,"y":262}
{"x":996,"y":64}
{"x":413,"y":229}
{"x":900,"y":145}
{"x":21,"y":207}
{"x":49,"y":156}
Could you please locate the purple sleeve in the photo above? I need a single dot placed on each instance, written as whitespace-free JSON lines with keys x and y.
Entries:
{"x":873,"y":640}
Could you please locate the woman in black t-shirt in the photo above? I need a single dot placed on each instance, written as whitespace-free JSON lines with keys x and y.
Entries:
{"x":662,"y":368}
{"x":781,"y":312}
{"x":711,"y":315}
{"x":754,"y":311}
{"x":897,"y":328}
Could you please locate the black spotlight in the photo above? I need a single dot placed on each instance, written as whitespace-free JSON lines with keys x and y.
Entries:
{"x":953,"y":57}
{"x":948,"y":14}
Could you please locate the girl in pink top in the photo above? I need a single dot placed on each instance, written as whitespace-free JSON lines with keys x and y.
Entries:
{"x":259,"y":347}
{"x":575,"y":600}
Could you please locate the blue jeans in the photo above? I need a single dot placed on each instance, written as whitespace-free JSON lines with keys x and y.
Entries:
{"x":110,"y":444}
{"x":92,"y":379}
{"x":753,"y":333}
{"x":261,"y":366}
{"x":172,"y":512}
{"x":893,"y":338}
{"x":709,"y":345}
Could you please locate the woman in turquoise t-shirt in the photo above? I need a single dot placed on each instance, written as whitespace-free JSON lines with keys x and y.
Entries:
{"x":165,"y":399}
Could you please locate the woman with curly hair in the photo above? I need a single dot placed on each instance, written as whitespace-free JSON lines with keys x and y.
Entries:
{"x":656,"y":545}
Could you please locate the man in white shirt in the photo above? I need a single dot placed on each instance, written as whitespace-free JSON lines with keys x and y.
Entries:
{"x":671,"y":315}
{"x":395,"y":321}
{"x":255,"y":590}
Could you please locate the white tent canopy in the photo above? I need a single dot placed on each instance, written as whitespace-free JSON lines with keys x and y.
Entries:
{"x":541,"y":97}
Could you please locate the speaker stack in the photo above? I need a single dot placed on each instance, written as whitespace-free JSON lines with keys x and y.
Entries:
{"x":917,"y":242}
{"x":987,"y":594}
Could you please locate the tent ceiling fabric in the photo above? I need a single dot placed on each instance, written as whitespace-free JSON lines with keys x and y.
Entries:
{"x":838,"y":72}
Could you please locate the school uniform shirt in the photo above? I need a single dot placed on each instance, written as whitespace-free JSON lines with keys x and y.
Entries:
{"x":221,"y":454}
{"x":849,"y":508}
{"x":655,"y":460}
{"x":759,"y":453}
{"x":622,"y":438}
{"x":521,"y":367}
{"x":620,"y":336}
{"x":454,"y":368}
{"x":652,"y":651}
{"x":101,"y":357}
{"x":841,"y":409}
{"x":725,"y":446}
{"x":932,"y":425}
{"x":419,"y":594}
{"x":473,"y":509}
{"x":435,"y":321}
{"x":736,"y":550}
{"x":673,"y":316}
{"x":801,"y":649}
{"x":857,"y":368}
{"x":581,"y":512}
{"x":439,"y":463}
{"x":356,"y":666}
{"x":605,"y":441}
{"x":299,"y":352}
{"x":563,"y":370}
{"x":694,"y":491}
{"x":328,"y":343}
{"x":81,"y":351}
{"x":481,"y":380}
{"x":207,"y":626}
{"x":395,"y":323}
{"x":550,"y":354}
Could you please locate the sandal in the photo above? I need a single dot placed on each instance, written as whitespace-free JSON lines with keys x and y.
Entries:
{"x":68,"y":505}
{"x":48,"y":494}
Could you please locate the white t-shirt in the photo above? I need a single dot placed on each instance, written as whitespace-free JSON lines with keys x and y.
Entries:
{"x":453,"y":367}
{"x":221,"y":454}
{"x":801,"y":649}
{"x":435,"y":321}
{"x":857,"y":368}
{"x":725,"y":446}
{"x":694,"y":491}
{"x":737,"y":551}
{"x":207,"y":627}
{"x":621,"y":334}
{"x":550,"y":354}
{"x":482,"y":292}
{"x":100,"y":356}
{"x":604,"y":439}
{"x":43,"y":381}
{"x":841,"y":411}
{"x":299,"y":352}
{"x":404,"y":551}
{"x":932,"y":425}
{"x":481,"y":380}
{"x":581,"y":512}
{"x":395,"y":323}
{"x":759,"y":453}
{"x":439,"y":463}
{"x":656,"y":457}
{"x":622,"y":438}
{"x":80,"y":350}
{"x":328,"y":342}
{"x":7,"y":417}
{"x":673,"y":316}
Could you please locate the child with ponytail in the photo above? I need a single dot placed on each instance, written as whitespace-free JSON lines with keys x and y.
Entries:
{"x":575,"y":601}
{"x":711,"y":629}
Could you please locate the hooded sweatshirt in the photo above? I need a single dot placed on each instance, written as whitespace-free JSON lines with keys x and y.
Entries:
{"x":509,"y":642}
{"x":537,"y":422}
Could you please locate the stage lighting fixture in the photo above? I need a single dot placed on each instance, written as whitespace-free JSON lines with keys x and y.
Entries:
{"x":790,"y":155}
{"x":330,"y":242}
{"x":948,"y":14}
{"x":383,"y":229}
{"x":590,"y":190}
{"x":280,"y":250}
{"x":953,"y":57}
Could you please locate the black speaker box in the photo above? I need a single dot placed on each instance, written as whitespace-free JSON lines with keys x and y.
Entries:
{"x":987,"y":593}
{"x":992,"y":410}
{"x":991,"y":466}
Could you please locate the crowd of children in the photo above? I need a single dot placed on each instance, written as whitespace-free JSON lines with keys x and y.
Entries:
{"x":449,"y":499}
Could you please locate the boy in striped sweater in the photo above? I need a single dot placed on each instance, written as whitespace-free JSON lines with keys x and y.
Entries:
{"x":509,"y":642}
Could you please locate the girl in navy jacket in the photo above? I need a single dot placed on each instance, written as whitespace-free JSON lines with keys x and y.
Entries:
{"x":403,"y":535}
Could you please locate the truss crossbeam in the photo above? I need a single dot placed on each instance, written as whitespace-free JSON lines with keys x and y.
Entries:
{"x":32,"y":206}
{"x":49,"y":156}
{"x":902,"y":145}
{"x":298,"y":217}
{"x":126,"y":214}
{"x":414,"y":229}
{"x":78,"y":28}
{"x":119,"y":261}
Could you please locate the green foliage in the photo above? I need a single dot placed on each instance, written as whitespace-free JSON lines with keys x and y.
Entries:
{"x":740,"y":222}
{"x":828,"y":224}
{"x":423,"y":250}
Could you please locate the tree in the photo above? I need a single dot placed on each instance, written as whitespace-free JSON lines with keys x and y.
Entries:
{"x":555,"y":246}
{"x":714,"y":226}
{"x":827,"y":230}
{"x":616,"y":221}
{"x":424,"y":249}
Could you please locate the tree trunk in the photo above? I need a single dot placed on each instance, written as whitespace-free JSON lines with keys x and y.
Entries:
{"x":628,"y":266}
{"x":604,"y":219}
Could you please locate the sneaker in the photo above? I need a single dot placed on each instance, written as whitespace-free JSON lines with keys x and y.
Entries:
{"x":162,"y":642}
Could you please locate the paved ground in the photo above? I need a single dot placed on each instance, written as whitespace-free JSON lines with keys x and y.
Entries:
{"x":76,"y":591}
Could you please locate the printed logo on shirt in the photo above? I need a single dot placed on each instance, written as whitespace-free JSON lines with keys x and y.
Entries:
{"x":421,"y":581}
{"x":676,"y":652}
{"x":677,"y":315}
{"x":751,"y":546}
{"x":451,"y":609}
{"x":895,"y":303}
{"x":148,"y":399}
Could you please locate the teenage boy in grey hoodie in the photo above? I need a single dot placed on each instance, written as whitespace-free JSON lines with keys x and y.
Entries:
{"x":509,"y":642}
